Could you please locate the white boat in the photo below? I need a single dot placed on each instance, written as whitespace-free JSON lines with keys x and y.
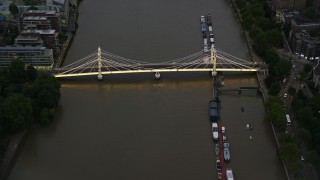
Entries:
{"x":226,"y":151}
{"x":217,"y":149}
{"x":229,"y":174}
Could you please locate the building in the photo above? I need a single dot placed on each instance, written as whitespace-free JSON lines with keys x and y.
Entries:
{"x":26,"y":40}
{"x":49,"y":37}
{"x":4,"y":7}
{"x":302,"y":40}
{"x":36,"y":19}
{"x":38,"y":56}
{"x":288,"y":4}
{"x":61,"y":6}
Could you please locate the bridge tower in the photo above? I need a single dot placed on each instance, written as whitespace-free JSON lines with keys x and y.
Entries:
{"x":100,"y":76}
{"x":213,"y":60}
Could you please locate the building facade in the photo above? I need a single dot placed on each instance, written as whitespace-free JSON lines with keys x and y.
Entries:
{"x":36,"y":19}
{"x":302,"y":41}
{"x":49,"y":37}
{"x":38,"y":56}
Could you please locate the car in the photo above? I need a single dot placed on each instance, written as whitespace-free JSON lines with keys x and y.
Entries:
{"x":223,"y":129}
{"x":210,"y":29}
{"x":285,"y":95}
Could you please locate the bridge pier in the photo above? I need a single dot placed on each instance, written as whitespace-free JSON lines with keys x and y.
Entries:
{"x":213,"y":73}
{"x":157,"y":75}
{"x":100,"y":77}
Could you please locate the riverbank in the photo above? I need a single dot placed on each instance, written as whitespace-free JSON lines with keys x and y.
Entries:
{"x":261,"y":76}
{"x":17,"y":140}
{"x":16,"y":143}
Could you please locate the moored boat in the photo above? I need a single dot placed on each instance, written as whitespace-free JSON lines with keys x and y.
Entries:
{"x":217,"y":149}
{"x":226,"y":152}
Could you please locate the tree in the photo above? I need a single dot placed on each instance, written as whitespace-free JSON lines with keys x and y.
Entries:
{"x":31,"y":73}
{"x":273,"y":100}
{"x":4,"y":81}
{"x":275,"y":38}
{"x":313,"y":157}
{"x":276,"y":116}
{"x":14,"y":9}
{"x":274,"y":88}
{"x":307,"y":68}
{"x":282,"y":68}
{"x":17,"y":72}
{"x":289,"y":152}
{"x":45,"y":116}
{"x":292,"y":91}
{"x":271,"y":57}
{"x":304,"y":116}
{"x":15,"y":112}
{"x":257,"y":10}
{"x":45,"y":92}
{"x":310,"y":12}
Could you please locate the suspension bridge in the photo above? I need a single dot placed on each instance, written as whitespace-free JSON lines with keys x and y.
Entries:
{"x":101,"y":62}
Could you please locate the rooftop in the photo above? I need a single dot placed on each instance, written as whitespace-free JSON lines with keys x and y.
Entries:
{"x":39,"y":31}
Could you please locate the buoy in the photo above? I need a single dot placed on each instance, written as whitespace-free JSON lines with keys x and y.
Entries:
{"x":157,"y":75}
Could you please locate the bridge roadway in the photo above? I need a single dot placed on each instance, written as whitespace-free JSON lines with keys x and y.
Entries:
{"x":154,"y":68}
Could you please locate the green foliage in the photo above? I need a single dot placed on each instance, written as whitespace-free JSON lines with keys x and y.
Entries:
{"x":4,"y":81}
{"x":15,"y":113}
{"x":285,"y":138}
{"x":21,"y":101}
{"x":289,"y":152}
{"x":291,"y":91}
{"x":45,"y":92}
{"x":304,"y":135}
{"x":17,"y":73}
{"x":304,"y":115}
{"x":45,"y":116}
{"x":14,"y":9}
{"x":313,"y":157}
{"x":276,"y":115}
{"x":310,"y":12}
{"x":275,"y":38}
{"x":271,"y":57}
{"x":254,"y":32}
{"x":307,"y":68}
{"x":241,"y":4}
{"x":31,"y":73}
{"x":274,"y":88}
{"x":263,"y":23}
{"x":247,"y":22}
{"x":282,"y":68}
{"x":257,"y":10}
{"x":273,"y":100}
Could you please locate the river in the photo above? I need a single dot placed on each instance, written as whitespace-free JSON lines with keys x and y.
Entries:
{"x":134,"y":127}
